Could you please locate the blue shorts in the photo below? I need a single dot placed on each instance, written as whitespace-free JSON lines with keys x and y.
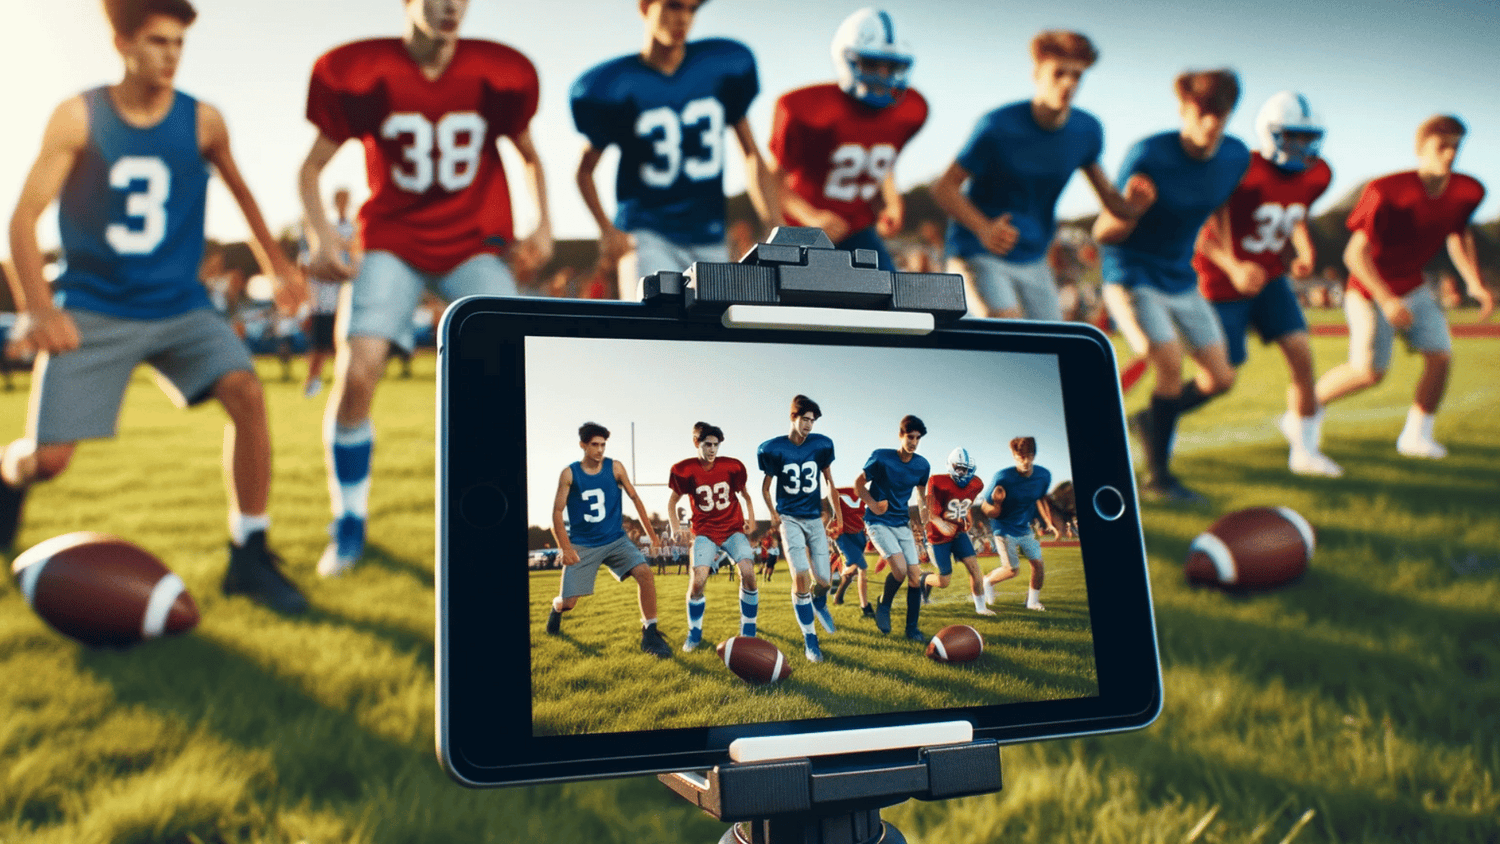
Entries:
{"x":1273,"y":313}
{"x":1021,"y":546}
{"x":943,"y":552}
{"x":866,"y":238}
{"x":383,"y":296}
{"x":852,"y":546}
{"x":706,"y":551}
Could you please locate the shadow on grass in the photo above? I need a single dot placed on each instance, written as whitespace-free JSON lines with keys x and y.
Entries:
{"x":379,"y":555}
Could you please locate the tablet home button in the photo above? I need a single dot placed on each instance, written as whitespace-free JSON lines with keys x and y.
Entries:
{"x":1109,"y":503}
{"x":482,"y":505}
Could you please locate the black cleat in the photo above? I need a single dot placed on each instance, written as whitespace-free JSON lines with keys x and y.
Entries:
{"x":1141,"y":426}
{"x":652,"y":642}
{"x":867,"y":611}
{"x":915,"y":635}
{"x":883,"y":618}
{"x":1169,"y":490}
{"x":554,"y":623}
{"x":11,"y":500}
{"x":255,"y":572}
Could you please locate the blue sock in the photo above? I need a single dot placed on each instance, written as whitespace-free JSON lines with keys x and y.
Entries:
{"x":696,"y":606}
{"x":749,"y":605}
{"x":352,"y":447}
{"x":802,"y":604}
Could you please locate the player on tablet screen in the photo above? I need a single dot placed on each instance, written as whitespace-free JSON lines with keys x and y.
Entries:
{"x":885,"y":486}
{"x":1017,"y":496}
{"x":851,"y":541}
{"x":798,"y":464}
{"x":716,"y":486}
{"x":834,"y":145}
{"x":429,"y":108}
{"x":1242,"y":261}
{"x":1002,"y":190}
{"x":951,"y":496}
{"x":1399,"y":224}
{"x":129,"y":164}
{"x":588,"y":492}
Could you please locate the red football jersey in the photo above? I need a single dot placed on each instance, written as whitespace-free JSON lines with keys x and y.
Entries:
{"x":1407,"y":227}
{"x":716,"y":507}
{"x":851,"y":510}
{"x":1263,"y":212}
{"x":438,"y":193}
{"x":951,"y":503}
{"x":836,"y":151}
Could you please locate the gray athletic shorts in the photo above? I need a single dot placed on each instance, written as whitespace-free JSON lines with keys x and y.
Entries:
{"x":706,"y":551}
{"x":77,"y":395}
{"x":619,"y":556}
{"x":1372,"y":338}
{"x":654,"y":253}
{"x":379,"y":302}
{"x":803,"y":537}
{"x":1017,"y":547}
{"x":890,"y":541}
{"x":1003,"y":284}
{"x":1147,"y":316}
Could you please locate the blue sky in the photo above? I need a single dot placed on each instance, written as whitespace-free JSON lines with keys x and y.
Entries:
{"x":1374,"y":68}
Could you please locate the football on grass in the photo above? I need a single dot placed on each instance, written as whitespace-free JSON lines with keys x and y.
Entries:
{"x":1258,"y":548}
{"x":753,"y":660}
{"x":103,"y":590}
{"x":956,"y":643}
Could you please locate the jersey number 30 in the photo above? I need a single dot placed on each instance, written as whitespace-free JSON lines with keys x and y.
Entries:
{"x":458,"y":138}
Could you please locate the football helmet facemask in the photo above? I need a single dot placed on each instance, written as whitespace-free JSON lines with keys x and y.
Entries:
{"x":871,"y":63}
{"x":960,"y":467}
{"x":1290,"y":132}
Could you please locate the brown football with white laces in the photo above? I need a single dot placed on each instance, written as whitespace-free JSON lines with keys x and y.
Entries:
{"x":956,"y":643}
{"x":753,"y":660}
{"x":1256,"y":548}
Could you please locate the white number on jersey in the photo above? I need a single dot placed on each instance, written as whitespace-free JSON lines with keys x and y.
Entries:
{"x":1274,"y":224}
{"x":595,"y":499}
{"x":664,"y":128}
{"x":447,"y":152}
{"x":958,"y":510}
{"x":714,"y":497}
{"x":148,"y":205}
{"x":800,"y":479}
{"x":857,"y":172}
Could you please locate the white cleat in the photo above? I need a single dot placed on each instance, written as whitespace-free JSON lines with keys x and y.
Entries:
{"x":1419,"y":446}
{"x":985,"y":611}
{"x":1289,"y":426}
{"x":1036,"y":606}
{"x":989,"y":594}
{"x":1314,"y":463}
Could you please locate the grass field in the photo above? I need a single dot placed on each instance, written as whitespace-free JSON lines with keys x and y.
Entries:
{"x":1360,"y":705}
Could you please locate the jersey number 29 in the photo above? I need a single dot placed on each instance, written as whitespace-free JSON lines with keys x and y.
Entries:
{"x":857,"y":172}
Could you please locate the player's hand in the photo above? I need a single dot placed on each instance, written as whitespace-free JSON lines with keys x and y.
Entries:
{"x":1396,"y":312}
{"x":890,"y":222}
{"x":614,"y":245}
{"x":1140,"y":194}
{"x":879,"y":507}
{"x":1056,"y":534}
{"x":45,"y":329}
{"x":1250,"y":278}
{"x":570,"y":557}
{"x":1302,"y":267}
{"x":838,"y":524}
{"x":329,"y":260}
{"x":530,"y":253}
{"x":999,"y":236}
{"x":749,"y":525}
{"x":775,"y":521}
{"x":1486,"y":301}
{"x":836,"y":227}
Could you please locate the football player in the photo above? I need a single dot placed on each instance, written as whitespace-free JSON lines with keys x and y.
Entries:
{"x":851,"y":543}
{"x":1150,"y":288}
{"x":796,"y":463}
{"x":429,"y":109}
{"x":885,"y":486}
{"x":594,"y":534}
{"x":834,"y":146}
{"x":1017,"y":496}
{"x":1241,"y":260}
{"x":1399,"y":224}
{"x":130,"y":163}
{"x":950,"y":497}
{"x":716,"y":486}
{"x":1002,"y":189}
{"x":667,"y":109}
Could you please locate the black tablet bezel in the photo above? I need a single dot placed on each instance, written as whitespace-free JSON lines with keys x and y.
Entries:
{"x":484,"y":726}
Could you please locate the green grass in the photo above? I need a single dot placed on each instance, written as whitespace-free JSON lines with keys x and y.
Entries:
{"x":1360,"y":705}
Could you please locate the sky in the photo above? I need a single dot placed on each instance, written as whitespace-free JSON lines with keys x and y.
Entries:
{"x":1024,"y":399}
{"x":1374,"y":69}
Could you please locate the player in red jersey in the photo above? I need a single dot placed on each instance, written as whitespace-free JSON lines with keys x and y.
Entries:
{"x":950,"y":497}
{"x":1242,"y":260}
{"x":1398,"y":225}
{"x":429,"y":109}
{"x":834,"y":146}
{"x":716,"y":485}
{"x":851,"y":543}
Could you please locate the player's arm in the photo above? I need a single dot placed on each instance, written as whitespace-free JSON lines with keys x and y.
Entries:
{"x":1216,"y":243}
{"x":765,"y":491}
{"x":794,"y":205}
{"x":1304,"y":255}
{"x":892,"y":218}
{"x":268,"y":253}
{"x":924,"y":512}
{"x":936,"y":519}
{"x":760,"y":182}
{"x":640,"y":506}
{"x":559,"y":529}
{"x":1359,"y":258}
{"x":1466,"y":261}
{"x":534,"y":250}
{"x":613,"y":243}
{"x":1044,"y":509}
{"x":1111,"y":228}
{"x":991,"y":506}
{"x":672,"y":526}
{"x":832,"y":494}
{"x":997,"y":235}
{"x":1130,"y":205}
{"x":750,"y":510}
{"x":862,"y":489}
{"x":325,"y":246}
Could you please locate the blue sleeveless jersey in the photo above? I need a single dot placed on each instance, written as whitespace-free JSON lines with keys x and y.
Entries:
{"x":671,"y":131}
{"x":797,"y":469}
{"x":1021,"y":494}
{"x":131,"y":215}
{"x":594,"y":506}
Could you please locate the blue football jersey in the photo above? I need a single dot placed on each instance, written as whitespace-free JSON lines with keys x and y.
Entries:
{"x":892,"y":481}
{"x":131,"y":215}
{"x":797,"y":469}
{"x":1021,"y":494}
{"x":1159,"y":251}
{"x":1017,"y":167}
{"x":594,"y":506}
{"x":671,"y":134}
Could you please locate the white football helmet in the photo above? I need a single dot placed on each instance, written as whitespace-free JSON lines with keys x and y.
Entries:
{"x":1286,"y":112}
{"x":870,"y":34}
{"x":960,"y":467}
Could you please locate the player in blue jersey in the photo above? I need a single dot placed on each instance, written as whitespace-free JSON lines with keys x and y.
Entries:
{"x":588,"y":492}
{"x":1016,"y":497}
{"x":886,"y":485}
{"x":1002,"y":189}
{"x":794,"y":463}
{"x":1150,"y":286}
{"x":130,"y":164}
{"x":667,"y":108}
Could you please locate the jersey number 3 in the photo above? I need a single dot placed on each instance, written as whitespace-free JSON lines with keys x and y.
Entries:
{"x":458,"y":139}
{"x":149,"y":204}
{"x":664,"y":128}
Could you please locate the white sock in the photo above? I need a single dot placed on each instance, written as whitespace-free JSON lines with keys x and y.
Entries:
{"x":978,"y":602}
{"x":242,"y":525}
{"x":1033,"y":596}
{"x":1312,"y":432}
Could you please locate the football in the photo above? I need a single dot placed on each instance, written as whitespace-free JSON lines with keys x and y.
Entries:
{"x":753,"y":660}
{"x":103,"y":590}
{"x":956,"y":643}
{"x":1258,"y":548}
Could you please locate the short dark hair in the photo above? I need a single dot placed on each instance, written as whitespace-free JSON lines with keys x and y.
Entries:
{"x":126,"y":17}
{"x":802,"y":404}
{"x":911,"y":423}
{"x":1441,"y":124}
{"x":702,"y":430}
{"x":589,"y":430}
{"x":1214,"y":91}
{"x":1063,"y":44}
{"x":1023,"y":446}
